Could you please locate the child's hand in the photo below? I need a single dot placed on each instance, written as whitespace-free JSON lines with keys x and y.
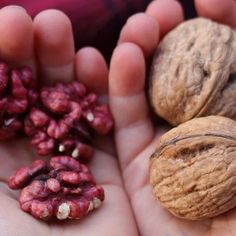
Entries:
{"x":135,"y":134}
{"x":46,"y":44}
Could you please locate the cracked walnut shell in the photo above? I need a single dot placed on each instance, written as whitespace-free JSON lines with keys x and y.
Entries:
{"x":193,"y":73}
{"x":193,"y":170}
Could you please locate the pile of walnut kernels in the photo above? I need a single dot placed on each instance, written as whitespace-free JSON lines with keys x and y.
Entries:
{"x":61,"y":122}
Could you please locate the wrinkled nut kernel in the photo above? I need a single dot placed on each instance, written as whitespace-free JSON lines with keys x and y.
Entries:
{"x":192,"y":171}
{"x":193,"y":72}
{"x":63,"y":189}
{"x":65,"y":119}
{"x":17,"y":94}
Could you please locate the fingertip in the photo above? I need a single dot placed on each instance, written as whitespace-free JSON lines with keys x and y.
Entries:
{"x":91,"y":69}
{"x":222,"y":11}
{"x":208,"y":8}
{"x":16,"y":32}
{"x":51,"y":15}
{"x":53,"y":18}
{"x":127,"y":70}
{"x":53,"y":32}
{"x":128,"y":101}
{"x":142,"y":30}
{"x":168,"y":13}
{"x":54,"y":45}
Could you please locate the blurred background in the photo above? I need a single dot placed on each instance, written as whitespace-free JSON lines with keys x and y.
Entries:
{"x":95,"y":22}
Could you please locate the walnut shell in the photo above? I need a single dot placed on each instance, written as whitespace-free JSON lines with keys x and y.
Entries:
{"x":193,"y":170}
{"x":193,"y":72}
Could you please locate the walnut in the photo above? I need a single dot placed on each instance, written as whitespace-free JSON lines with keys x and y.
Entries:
{"x":194,"y":72}
{"x":193,"y":170}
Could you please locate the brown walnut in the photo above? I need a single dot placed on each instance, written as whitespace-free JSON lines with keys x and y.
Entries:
{"x":193,"y":72}
{"x":193,"y":170}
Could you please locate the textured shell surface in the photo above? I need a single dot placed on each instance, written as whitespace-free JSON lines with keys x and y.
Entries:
{"x":194,"y":72}
{"x":193,"y":170}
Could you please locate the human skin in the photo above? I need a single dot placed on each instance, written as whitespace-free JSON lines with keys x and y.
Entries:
{"x":57,"y":60}
{"x":49,"y":39}
{"x":135,"y":133}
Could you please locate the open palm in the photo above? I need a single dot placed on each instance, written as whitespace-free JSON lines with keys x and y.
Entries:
{"x":46,"y":44}
{"x":136,"y":135}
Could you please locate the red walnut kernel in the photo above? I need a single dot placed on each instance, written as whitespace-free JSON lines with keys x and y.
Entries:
{"x":63,"y":189}
{"x":99,"y":119}
{"x":65,"y":119}
{"x":17,"y":93}
{"x":24,"y":175}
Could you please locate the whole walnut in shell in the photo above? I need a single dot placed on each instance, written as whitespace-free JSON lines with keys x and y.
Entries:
{"x":194,"y":72}
{"x":193,"y":170}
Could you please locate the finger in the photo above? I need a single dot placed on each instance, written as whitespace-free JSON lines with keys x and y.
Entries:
{"x":133,"y":129}
{"x":54,"y":46}
{"x":168,"y":13}
{"x":16,"y":30}
{"x":142,"y":30}
{"x":222,"y":11}
{"x":91,"y":69}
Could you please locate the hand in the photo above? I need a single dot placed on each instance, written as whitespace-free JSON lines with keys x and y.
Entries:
{"x":46,"y":44}
{"x":135,"y":134}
